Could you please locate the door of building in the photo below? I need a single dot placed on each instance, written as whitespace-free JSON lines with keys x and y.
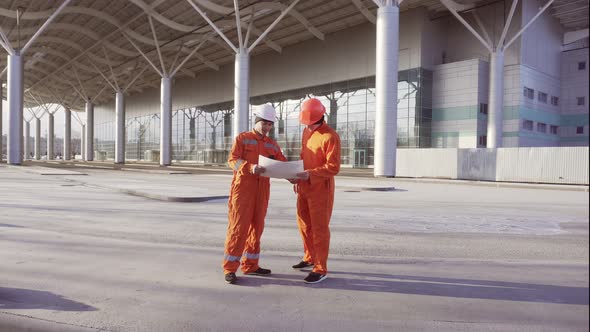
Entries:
{"x":360,"y":158}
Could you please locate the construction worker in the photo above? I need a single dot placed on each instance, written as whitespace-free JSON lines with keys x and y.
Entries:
{"x":249,"y":195}
{"x":320,"y":152}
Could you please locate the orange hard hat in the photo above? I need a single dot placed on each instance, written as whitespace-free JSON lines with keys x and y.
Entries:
{"x":312,"y":111}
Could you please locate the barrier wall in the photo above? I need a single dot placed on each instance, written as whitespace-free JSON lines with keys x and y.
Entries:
{"x":559,"y":165}
{"x":428,"y":163}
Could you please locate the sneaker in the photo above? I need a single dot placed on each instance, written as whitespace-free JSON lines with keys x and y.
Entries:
{"x":314,"y":278}
{"x":302,"y":264}
{"x":260,"y":272}
{"x":231,"y":278}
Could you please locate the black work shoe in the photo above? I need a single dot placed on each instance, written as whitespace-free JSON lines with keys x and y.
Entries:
{"x":302,"y":264}
{"x":314,"y":278}
{"x":231,"y":278}
{"x":260,"y":272}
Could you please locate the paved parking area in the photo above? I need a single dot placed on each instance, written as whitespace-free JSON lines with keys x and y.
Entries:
{"x":99,"y":249}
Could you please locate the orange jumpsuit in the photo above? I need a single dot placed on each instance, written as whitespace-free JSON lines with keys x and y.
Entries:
{"x":320,"y":151}
{"x":248,"y":201}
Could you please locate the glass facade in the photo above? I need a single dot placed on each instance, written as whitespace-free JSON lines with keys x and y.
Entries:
{"x":203,"y":133}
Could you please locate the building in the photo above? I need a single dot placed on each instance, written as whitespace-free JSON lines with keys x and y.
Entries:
{"x":447,"y":56}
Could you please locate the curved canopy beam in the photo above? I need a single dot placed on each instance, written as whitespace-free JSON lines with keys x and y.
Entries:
{"x":277,"y":6}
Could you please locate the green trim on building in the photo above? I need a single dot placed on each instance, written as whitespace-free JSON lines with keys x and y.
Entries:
{"x":511,"y":112}
{"x":531,"y":134}
{"x":581,"y":138}
{"x":454,"y":134}
{"x":455,"y":113}
{"x":540,"y":116}
{"x":510,"y":134}
{"x":574,"y":120}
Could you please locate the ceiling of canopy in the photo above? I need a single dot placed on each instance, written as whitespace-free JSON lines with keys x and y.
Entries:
{"x":93,"y":47}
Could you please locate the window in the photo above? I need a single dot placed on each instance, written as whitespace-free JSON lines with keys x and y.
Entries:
{"x":541,"y":127}
{"x":554,"y":100}
{"x":527,"y":124}
{"x":483,"y":108}
{"x":542,"y":97}
{"x":529,"y":93}
{"x":582,"y":65}
{"x":579,"y":130}
{"x":553,"y":130}
{"x":483,"y":141}
{"x":581,"y":101}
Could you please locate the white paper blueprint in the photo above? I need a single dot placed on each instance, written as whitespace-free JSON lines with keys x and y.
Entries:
{"x":280,"y":169}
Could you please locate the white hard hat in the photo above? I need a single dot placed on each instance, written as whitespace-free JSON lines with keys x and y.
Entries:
{"x":266,"y":112}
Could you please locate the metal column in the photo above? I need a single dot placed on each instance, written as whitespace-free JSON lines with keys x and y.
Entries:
{"x":67,"y":135}
{"x":241,"y":92}
{"x":89,"y":131}
{"x":165,"y":121}
{"x":50,"y":136}
{"x":83,"y":143}
{"x":37,"y":139}
{"x":120,"y":123}
{"x":496,"y":100}
{"x":386,"y":90}
{"x":27,"y":145}
{"x":1,"y":137}
{"x":15,"y":109}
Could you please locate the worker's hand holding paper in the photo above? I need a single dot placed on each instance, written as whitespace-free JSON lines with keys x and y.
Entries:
{"x":280,"y":169}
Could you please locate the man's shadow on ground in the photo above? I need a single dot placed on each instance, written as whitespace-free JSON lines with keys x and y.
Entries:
{"x":431,"y":286}
{"x":18,"y":298}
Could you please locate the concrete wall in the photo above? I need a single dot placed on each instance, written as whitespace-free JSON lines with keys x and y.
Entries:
{"x":512,"y":100}
{"x":537,"y":111}
{"x":540,"y":70}
{"x":455,"y":102}
{"x":564,"y":165}
{"x":434,"y":42}
{"x":541,"y":42}
{"x":574,"y":85}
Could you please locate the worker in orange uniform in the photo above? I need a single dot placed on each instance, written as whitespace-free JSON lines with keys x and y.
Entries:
{"x":249,"y":195}
{"x":320,"y":152}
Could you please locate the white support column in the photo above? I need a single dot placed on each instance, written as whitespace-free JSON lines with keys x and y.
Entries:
{"x":386,"y":90}
{"x":67,"y":134}
{"x":242,"y":63}
{"x":1,"y":134}
{"x":37,"y":139}
{"x":120,"y":123}
{"x":50,"y":136}
{"x":241,"y":92}
{"x":15,"y":109}
{"x":496,"y":100}
{"x":165,"y":121}
{"x":83,"y":143}
{"x":89,"y":131}
{"x":27,"y":144}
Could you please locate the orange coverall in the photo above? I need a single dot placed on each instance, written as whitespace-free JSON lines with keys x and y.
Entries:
{"x":320,"y":151}
{"x":248,"y":201}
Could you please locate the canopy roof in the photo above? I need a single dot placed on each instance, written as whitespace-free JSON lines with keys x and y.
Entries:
{"x":92,"y":41}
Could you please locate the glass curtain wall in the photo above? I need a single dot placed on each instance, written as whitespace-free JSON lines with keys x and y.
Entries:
{"x":203,"y":133}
